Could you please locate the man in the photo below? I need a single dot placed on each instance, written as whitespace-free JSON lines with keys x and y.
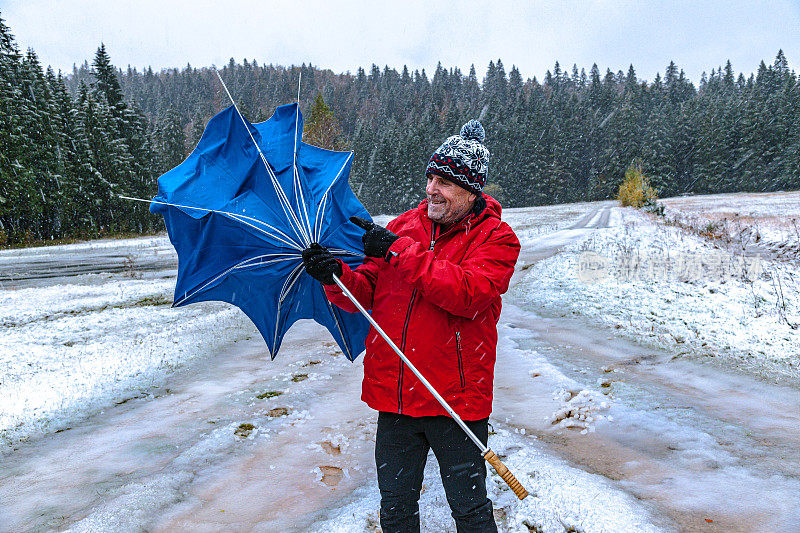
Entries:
{"x":433,"y":280}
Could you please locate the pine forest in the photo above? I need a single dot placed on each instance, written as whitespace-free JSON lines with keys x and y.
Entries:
{"x":72,"y":143}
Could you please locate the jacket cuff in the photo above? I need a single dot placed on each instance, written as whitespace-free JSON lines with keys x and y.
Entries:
{"x":346,"y":278}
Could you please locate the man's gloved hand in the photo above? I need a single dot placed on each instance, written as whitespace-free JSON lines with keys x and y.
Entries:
{"x":320,"y":264}
{"x":377,"y":239}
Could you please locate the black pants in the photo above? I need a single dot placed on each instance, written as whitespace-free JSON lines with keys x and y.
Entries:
{"x":401,"y":449}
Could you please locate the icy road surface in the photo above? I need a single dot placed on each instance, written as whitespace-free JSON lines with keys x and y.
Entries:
{"x":81,"y":263}
{"x":175,"y":419}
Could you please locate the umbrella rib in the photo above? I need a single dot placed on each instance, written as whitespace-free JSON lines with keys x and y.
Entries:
{"x":264,"y":263}
{"x":234,"y":216}
{"x":285,"y":204}
{"x":296,"y":175}
{"x":287,"y":208}
{"x":339,"y":327}
{"x":324,"y":196}
{"x":289,"y":240}
{"x":296,"y":125}
{"x":301,"y":200}
{"x":291,"y":279}
{"x":318,"y":220}
{"x":271,"y":254}
{"x":230,"y":269}
{"x":284,"y":292}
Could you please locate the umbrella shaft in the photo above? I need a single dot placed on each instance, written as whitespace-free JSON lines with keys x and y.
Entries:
{"x":484,"y":449}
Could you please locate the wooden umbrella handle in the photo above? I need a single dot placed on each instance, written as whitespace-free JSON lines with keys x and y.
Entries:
{"x":506,"y":474}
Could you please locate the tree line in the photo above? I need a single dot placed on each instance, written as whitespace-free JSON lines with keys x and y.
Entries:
{"x":71,"y":144}
{"x":66,"y":156}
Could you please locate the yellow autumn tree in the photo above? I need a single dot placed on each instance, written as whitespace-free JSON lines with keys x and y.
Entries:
{"x":635,"y":190}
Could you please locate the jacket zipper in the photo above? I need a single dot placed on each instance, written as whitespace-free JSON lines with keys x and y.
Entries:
{"x":465,"y":223}
{"x":405,"y":330}
{"x":460,"y":360}
{"x":403,"y":349}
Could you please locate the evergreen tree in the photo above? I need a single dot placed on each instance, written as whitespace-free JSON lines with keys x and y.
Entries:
{"x":172,"y":141}
{"x":106,"y":81}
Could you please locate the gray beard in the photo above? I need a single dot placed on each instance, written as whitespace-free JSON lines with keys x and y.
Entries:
{"x":456,"y":218}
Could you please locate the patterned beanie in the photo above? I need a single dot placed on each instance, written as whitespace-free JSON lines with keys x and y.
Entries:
{"x":462,"y":158}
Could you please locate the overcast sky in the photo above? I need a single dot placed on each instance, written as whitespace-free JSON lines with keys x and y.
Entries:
{"x":697,"y":35}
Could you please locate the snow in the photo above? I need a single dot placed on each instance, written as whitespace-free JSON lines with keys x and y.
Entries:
{"x":686,"y":438}
{"x":560,"y":497}
{"x":622,"y":402}
{"x":68,"y":350}
{"x":127,"y":245}
{"x":775,"y":217}
{"x":715,"y":311}
{"x":579,"y":409}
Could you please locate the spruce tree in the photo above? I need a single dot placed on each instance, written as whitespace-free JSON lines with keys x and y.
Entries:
{"x":172,"y":141}
{"x":106,"y":81}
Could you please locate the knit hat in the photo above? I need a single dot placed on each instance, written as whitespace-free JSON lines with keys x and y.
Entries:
{"x":462,"y":158}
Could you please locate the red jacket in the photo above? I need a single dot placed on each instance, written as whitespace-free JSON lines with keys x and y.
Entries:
{"x":438,"y":299}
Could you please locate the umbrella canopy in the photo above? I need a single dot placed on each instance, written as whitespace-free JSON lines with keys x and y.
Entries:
{"x":243,"y":206}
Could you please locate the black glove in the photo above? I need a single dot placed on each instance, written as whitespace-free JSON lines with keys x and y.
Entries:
{"x":320,"y":264}
{"x":377,"y":239}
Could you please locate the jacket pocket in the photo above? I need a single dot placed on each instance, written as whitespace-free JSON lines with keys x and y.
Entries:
{"x":460,"y":360}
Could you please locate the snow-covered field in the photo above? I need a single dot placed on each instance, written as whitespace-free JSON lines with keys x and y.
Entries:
{"x":661,"y":285}
{"x":769,"y":217}
{"x":67,"y":350}
{"x":654,"y":394}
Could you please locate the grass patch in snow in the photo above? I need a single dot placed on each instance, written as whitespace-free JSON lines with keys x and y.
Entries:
{"x":152,"y":301}
{"x":278,"y":411}
{"x":244,"y":430}
{"x":268,"y":394}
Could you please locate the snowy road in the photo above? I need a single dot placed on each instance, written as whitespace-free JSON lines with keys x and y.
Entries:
{"x":76,"y":263}
{"x":697,"y":443}
{"x":234,"y":441}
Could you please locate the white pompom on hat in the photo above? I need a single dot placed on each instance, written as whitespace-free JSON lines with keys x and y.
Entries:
{"x":473,"y":130}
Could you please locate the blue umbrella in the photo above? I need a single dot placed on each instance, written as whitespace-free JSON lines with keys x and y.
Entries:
{"x":240,"y":210}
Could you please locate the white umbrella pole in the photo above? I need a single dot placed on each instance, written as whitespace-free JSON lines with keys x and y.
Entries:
{"x":487,"y":453}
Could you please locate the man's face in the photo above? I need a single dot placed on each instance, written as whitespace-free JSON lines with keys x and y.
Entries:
{"x":447,"y":202}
